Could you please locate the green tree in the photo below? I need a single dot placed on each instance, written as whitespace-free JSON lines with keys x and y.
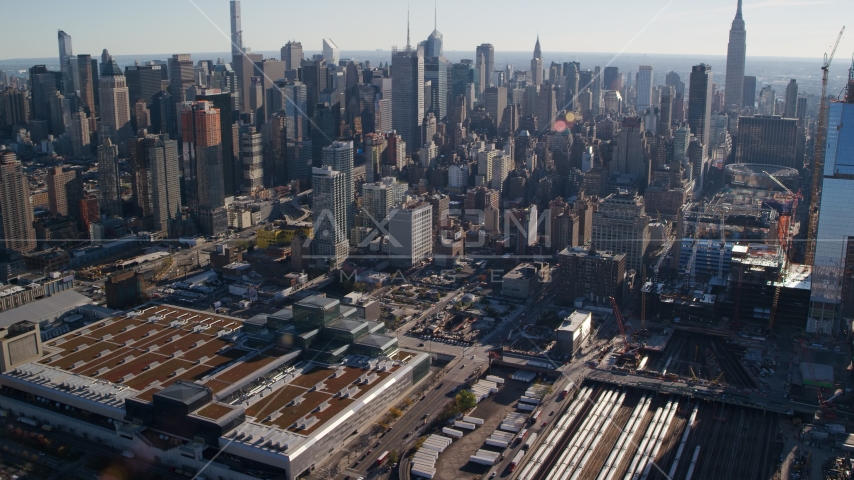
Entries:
{"x":465,"y":400}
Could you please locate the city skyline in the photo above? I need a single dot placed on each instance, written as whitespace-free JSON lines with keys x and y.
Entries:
{"x":768,"y":19}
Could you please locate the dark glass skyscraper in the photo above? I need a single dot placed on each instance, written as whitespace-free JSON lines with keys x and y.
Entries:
{"x":700,"y":101}
{"x":407,"y":92}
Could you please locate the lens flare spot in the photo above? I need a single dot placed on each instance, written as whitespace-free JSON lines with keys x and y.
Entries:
{"x":570,"y":117}
{"x":560,"y":126}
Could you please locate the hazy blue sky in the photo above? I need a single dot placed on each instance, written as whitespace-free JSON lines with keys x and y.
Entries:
{"x":792,"y":28}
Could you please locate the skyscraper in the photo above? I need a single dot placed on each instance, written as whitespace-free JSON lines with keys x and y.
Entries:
{"x":43,"y":84}
{"x":436,"y":72}
{"x":236,"y":30}
{"x":407,"y":91}
{"x":735,"y":59}
{"x":331,"y":53}
{"x":700,"y":101}
{"x":115,"y":105}
{"x":644,"y":88}
{"x":13,"y":107}
{"x":87,"y":87}
{"x":488,"y":52}
{"x":16,"y":213}
{"x":597,"y":91}
{"x":339,"y":156}
{"x":612,"y":79}
{"x":630,"y":148}
{"x":143,"y":82}
{"x":832,"y":285}
{"x":329,"y":246}
{"x":572,"y":85}
{"x":109,"y":183}
{"x":495,"y":100}
{"x":67,"y":62}
{"x":434,"y":45}
{"x":203,"y":172}
{"x":292,"y":55}
{"x":232,"y":171}
{"x":252,"y":158}
{"x":791,"y":109}
{"x":537,"y":64}
{"x":749,"y":92}
{"x":673,"y":80}
{"x":180,"y":76}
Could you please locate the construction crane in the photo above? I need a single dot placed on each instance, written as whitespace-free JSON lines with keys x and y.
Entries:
{"x":693,"y":375}
{"x":629,"y":348}
{"x":690,"y":266}
{"x":718,"y":380}
{"x":723,"y":247}
{"x":818,"y":161}
{"x":786,"y":239}
{"x":643,"y":300}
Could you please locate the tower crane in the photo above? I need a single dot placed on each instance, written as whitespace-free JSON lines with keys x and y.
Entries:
{"x":818,"y":161}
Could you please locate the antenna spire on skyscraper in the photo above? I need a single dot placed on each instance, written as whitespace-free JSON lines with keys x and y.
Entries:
{"x":435,"y":15}
{"x":738,"y":11}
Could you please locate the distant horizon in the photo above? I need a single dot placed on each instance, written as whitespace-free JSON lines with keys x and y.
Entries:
{"x":346,"y":53}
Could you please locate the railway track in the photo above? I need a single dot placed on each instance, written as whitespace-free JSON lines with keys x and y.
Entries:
{"x":612,"y":433}
{"x":667,"y":453}
{"x":549,"y":463}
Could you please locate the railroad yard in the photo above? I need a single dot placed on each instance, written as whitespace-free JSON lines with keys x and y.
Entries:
{"x":704,"y":356}
{"x":612,"y":432}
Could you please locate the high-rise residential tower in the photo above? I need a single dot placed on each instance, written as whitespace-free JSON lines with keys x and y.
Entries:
{"x":16,"y":213}
{"x":339,"y":156}
{"x":236,"y":30}
{"x":735,"y":60}
{"x":700,"y":101}
{"x":330,"y":245}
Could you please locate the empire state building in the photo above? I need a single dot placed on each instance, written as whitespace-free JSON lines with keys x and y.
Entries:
{"x":736,"y":53}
